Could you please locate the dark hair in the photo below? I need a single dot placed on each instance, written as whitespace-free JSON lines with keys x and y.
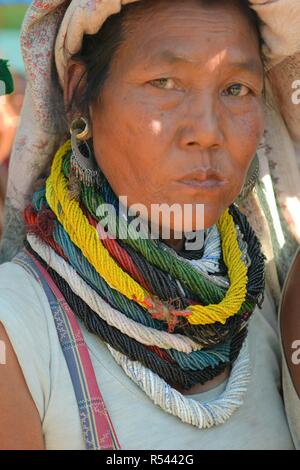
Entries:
{"x":99,"y":49}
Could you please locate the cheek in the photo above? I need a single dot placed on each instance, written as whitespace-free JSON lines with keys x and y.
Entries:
{"x":127,"y":131}
{"x":243,"y":137}
{"x":246,"y":134}
{"x":122,"y":145}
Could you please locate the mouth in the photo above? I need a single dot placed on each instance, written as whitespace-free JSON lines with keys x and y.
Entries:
{"x":208,"y":179}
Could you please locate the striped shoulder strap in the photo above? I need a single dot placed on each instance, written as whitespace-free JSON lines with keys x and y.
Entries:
{"x":97,"y":428}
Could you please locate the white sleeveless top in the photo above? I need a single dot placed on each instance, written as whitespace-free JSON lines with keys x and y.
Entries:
{"x":260,"y":423}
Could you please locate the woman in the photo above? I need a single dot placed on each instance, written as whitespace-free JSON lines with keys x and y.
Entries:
{"x":99,"y":329}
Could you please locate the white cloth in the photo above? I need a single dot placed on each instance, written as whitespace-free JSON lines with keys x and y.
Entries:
{"x":25,"y":313}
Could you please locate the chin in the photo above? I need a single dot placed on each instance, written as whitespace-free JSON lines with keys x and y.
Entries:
{"x":213,"y":214}
{"x":204,"y":218}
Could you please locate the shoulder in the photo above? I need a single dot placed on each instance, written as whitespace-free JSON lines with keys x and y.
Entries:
{"x":26,"y":317}
{"x":26,"y":314}
{"x":23,"y":304}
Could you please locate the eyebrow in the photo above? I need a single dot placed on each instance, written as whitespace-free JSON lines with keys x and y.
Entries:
{"x":251,"y":66}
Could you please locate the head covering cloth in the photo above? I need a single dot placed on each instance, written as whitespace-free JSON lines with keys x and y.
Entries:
{"x":53,"y":31}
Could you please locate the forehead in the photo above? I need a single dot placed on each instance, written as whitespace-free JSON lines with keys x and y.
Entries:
{"x":170,"y":31}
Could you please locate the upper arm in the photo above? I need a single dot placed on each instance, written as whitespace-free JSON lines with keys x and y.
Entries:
{"x":290,"y":321}
{"x":20,"y":424}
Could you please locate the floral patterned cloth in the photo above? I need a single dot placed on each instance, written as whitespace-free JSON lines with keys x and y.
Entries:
{"x":53,"y":27}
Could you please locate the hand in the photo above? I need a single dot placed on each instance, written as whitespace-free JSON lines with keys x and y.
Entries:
{"x":280,"y":28}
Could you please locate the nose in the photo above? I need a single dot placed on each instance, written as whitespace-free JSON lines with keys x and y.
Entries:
{"x":201,"y":125}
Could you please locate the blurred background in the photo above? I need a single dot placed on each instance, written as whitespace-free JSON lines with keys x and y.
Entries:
{"x":11,"y":16}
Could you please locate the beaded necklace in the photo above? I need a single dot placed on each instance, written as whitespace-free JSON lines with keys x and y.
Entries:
{"x":178,"y":326}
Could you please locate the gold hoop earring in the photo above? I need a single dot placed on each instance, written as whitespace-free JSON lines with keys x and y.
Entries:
{"x":83,"y":163}
{"x":80,"y":126}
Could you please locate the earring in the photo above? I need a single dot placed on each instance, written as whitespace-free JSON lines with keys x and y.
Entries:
{"x":251,"y":179}
{"x":83,"y":163}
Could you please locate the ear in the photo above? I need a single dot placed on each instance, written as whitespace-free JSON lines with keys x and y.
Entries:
{"x":74,"y":79}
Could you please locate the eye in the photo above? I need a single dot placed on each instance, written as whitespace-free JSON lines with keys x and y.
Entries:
{"x":163,"y":83}
{"x":237,"y":89}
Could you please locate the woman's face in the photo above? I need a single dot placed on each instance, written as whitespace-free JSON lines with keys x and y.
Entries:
{"x":181,"y":113}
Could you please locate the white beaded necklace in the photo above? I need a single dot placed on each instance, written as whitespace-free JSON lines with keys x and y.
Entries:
{"x":200,"y":414}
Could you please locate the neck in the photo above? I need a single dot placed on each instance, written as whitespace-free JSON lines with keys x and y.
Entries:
{"x":175,"y":240}
{"x":177,"y":245}
{"x":209,"y":385}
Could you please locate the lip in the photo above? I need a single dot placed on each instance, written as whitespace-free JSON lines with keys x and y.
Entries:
{"x":206,"y":184}
{"x":203,"y":179}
